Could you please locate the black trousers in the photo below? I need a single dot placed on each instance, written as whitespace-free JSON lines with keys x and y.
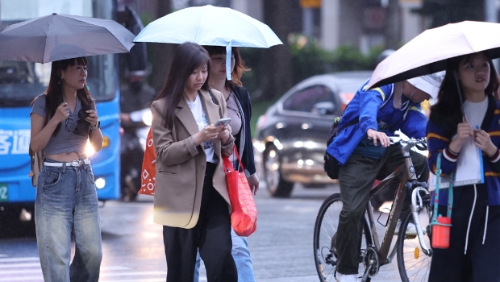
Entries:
{"x":356,"y":178}
{"x":481,"y":262}
{"x":212,"y":235}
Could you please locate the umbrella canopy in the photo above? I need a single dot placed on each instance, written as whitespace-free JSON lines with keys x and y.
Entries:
{"x":58,"y":37}
{"x":429,"y":51}
{"x":209,"y":25}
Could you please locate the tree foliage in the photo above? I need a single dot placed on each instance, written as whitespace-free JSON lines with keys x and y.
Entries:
{"x":161,"y":54}
{"x":307,"y":58}
{"x":275,"y":74}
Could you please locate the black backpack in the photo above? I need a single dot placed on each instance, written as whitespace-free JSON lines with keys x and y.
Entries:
{"x":330,"y":163}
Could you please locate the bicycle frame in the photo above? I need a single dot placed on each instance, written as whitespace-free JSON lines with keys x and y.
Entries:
{"x":407,"y":183}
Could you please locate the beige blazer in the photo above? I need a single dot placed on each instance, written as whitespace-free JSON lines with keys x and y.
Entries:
{"x":180,"y":166}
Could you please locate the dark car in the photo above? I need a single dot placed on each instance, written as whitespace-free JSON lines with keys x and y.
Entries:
{"x":291,"y":136}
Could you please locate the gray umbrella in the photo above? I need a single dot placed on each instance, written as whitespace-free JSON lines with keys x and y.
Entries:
{"x":58,"y":37}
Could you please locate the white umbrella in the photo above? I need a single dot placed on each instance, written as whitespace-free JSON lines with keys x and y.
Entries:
{"x":58,"y":37}
{"x":429,"y":51}
{"x":209,"y":25}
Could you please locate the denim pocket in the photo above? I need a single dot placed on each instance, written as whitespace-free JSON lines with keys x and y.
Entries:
{"x":51,"y":177}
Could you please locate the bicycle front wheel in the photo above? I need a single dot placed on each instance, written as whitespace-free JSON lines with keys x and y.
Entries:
{"x":413,"y":264}
{"x":325,"y":231}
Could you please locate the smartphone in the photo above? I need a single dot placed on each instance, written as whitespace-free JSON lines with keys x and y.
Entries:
{"x":222,"y":121}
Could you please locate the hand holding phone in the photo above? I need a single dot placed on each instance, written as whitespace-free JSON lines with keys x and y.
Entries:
{"x":222,"y":121}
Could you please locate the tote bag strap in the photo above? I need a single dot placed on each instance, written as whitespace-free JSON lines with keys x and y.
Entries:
{"x":239,"y":160}
{"x":228,"y":166}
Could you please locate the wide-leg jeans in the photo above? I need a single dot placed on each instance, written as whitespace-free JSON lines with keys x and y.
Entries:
{"x":66,"y":202}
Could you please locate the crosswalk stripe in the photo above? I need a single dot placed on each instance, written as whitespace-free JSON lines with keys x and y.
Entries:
{"x":19,"y":265}
{"x":19,"y":259}
{"x":121,"y":274}
{"x":24,"y":279}
{"x":20,"y":271}
{"x":28,"y":269}
{"x":133,"y":273}
{"x":136,"y":280}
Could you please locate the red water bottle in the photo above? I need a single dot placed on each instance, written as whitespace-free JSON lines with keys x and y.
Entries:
{"x":441,"y":233}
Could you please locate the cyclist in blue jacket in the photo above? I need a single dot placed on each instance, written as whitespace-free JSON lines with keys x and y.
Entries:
{"x":363,"y":148}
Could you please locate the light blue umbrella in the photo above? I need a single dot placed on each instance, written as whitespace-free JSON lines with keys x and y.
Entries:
{"x":210,"y":25}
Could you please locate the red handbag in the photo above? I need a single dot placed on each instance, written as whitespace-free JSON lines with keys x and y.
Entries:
{"x":244,"y":211}
{"x":148,"y":175}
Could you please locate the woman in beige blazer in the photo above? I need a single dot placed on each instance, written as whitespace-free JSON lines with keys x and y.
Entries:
{"x":191,"y":198}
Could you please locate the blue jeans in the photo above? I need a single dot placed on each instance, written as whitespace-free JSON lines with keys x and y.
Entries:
{"x":241,"y":257}
{"x":66,"y":202}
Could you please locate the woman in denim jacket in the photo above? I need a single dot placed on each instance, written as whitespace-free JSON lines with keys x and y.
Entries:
{"x":474,"y":250}
{"x":62,"y":120}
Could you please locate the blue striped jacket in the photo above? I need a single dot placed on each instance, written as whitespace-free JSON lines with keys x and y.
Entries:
{"x":438,"y":141}
{"x":366,"y":106}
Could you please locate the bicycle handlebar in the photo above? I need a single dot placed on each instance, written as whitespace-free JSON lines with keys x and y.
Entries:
{"x":420,"y":144}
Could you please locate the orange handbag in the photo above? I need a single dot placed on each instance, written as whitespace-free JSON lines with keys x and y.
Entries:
{"x":244,"y":211}
{"x":148,"y":175}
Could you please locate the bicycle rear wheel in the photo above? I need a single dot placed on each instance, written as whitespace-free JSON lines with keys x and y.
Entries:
{"x":325,"y":230}
{"x":413,"y":264}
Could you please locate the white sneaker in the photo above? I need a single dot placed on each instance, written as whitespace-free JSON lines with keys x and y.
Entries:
{"x":411,"y":229}
{"x":346,"y":277}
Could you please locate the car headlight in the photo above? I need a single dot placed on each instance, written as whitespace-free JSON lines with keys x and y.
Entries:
{"x":147,"y":118}
{"x":259,"y":146}
{"x":143,"y":115}
{"x":100,"y":182}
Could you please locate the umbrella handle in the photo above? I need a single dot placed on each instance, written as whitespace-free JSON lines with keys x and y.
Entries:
{"x":455,"y":75}
{"x":228,"y":61}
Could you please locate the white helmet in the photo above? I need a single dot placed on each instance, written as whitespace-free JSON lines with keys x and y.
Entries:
{"x":430,"y":83}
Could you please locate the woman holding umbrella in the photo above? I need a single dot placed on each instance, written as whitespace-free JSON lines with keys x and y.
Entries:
{"x":474,"y":249}
{"x":194,"y":211}
{"x":62,"y":120}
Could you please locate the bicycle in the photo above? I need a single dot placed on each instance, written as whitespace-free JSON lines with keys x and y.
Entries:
{"x":412,"y":265}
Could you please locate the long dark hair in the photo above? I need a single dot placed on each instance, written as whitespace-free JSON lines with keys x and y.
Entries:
{"x":54,"y":89}
{"x":188,"y":57}
{"x":239,"y":64}
{"x":448,"y":105}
